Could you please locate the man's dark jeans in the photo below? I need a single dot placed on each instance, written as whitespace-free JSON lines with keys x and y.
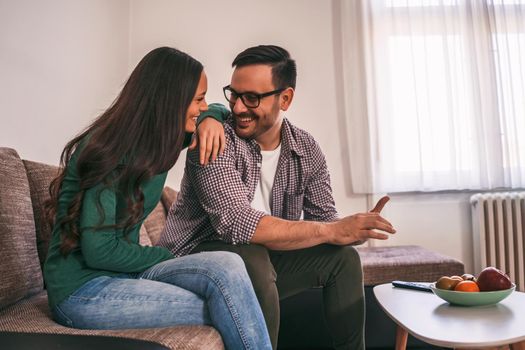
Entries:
{"x":277,"y":275}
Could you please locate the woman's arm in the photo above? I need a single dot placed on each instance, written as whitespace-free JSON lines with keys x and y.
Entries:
{"x":216,"y":111}
{"x":210,"y":133}
{"x":108,"y":249}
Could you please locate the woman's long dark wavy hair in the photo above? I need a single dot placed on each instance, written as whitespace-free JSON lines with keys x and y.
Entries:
{"x":144,"y":126}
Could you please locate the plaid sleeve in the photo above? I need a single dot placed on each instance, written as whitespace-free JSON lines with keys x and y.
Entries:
{"x":319,"y":204}
{"x":222,"y":194}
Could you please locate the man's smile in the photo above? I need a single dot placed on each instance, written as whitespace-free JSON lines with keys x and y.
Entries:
{"x":244,"y":120}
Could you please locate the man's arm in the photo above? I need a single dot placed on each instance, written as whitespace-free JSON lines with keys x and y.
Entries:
{"x":222,"y":194}
{"x":279,"y":234}
{"x":321,"y":223}
{"x":209,"y":134}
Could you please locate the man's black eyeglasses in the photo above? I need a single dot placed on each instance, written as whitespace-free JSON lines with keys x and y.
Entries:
{"x":250,"y":99}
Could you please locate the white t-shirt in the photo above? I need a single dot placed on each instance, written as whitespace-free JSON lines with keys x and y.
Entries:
{"x":262,"y":198}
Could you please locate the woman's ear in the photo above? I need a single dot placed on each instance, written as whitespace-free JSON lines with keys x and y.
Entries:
{"x":286,"y":98}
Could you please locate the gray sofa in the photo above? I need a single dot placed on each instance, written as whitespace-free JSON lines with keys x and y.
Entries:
{"x":25,"y":317}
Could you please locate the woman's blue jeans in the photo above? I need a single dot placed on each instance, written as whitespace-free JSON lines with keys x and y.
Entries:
{"x":211,"y":288}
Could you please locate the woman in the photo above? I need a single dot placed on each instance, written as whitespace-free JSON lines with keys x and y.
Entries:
{"x":96,"y":273}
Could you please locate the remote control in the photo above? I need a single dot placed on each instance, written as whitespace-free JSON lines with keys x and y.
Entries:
{"x":423,"y":286}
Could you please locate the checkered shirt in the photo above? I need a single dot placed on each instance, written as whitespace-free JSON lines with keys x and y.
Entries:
{"x":214,"y":200}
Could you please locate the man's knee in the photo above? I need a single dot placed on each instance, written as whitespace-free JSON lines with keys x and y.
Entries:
{"x":350,"y":255}
{"x":347,"y":261}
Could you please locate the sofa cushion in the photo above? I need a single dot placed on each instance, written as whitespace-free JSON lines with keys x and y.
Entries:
{"x":406,"y":263}
{"x":169,"y":196}
{"x":20,"y":274}
{"x":33,"y":316}
{"x":155,"y":222}
{"x":144,"y":236}
{"x":40,"y":176}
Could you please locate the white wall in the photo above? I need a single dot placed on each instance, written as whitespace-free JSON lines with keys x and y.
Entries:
{"x":61,"y":63}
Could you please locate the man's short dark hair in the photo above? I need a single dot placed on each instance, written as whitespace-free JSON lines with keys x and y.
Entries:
{"x":284,"y":70}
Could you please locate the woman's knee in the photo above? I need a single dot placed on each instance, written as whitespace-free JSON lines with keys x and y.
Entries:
{"x":227,"y":258}
{"x":226,"y":263}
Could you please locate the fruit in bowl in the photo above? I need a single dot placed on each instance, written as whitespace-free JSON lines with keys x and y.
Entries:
{"x":466,"y":286}
{"x":489,"y":287}
{"x":468,"y":277}
{"x":448,"y":283}
{"x":491,"y":279}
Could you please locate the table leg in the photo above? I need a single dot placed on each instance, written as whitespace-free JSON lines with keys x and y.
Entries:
{"x":402,"y":337}
{"x":518,"y":346}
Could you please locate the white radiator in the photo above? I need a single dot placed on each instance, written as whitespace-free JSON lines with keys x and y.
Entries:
{"x":498,"y":221}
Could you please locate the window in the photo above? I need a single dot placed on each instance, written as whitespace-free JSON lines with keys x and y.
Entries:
{"x":444,"y":84}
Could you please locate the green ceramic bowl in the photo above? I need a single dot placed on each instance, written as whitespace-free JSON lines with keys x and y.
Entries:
{"x":472,"y":298}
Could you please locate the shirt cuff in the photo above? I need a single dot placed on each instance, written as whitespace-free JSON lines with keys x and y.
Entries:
{"x":245,"y":226}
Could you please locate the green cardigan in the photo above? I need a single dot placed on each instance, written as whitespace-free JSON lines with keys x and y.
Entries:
{"x":104,"y":252}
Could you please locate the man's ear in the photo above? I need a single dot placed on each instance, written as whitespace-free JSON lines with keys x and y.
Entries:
{"x":286,"y":98}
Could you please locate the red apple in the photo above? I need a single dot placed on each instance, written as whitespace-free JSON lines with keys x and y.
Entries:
{"x":490,"y":278}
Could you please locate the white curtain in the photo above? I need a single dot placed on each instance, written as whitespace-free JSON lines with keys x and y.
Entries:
{"x":434,"y":94}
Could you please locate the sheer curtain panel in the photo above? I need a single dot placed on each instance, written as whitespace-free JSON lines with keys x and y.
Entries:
{"x":435,"y":94}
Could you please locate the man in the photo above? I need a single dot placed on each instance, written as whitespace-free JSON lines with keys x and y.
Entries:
{"x":251,"y":198}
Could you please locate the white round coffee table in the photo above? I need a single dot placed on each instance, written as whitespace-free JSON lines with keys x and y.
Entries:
{"x":436,"y":322}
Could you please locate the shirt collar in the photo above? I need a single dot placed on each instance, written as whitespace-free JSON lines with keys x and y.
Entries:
{"x":288,"y":141}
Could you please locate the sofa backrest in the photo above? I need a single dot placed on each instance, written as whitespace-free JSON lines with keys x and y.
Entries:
{"x":20,"y":273}
{"x":40,"y":176}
